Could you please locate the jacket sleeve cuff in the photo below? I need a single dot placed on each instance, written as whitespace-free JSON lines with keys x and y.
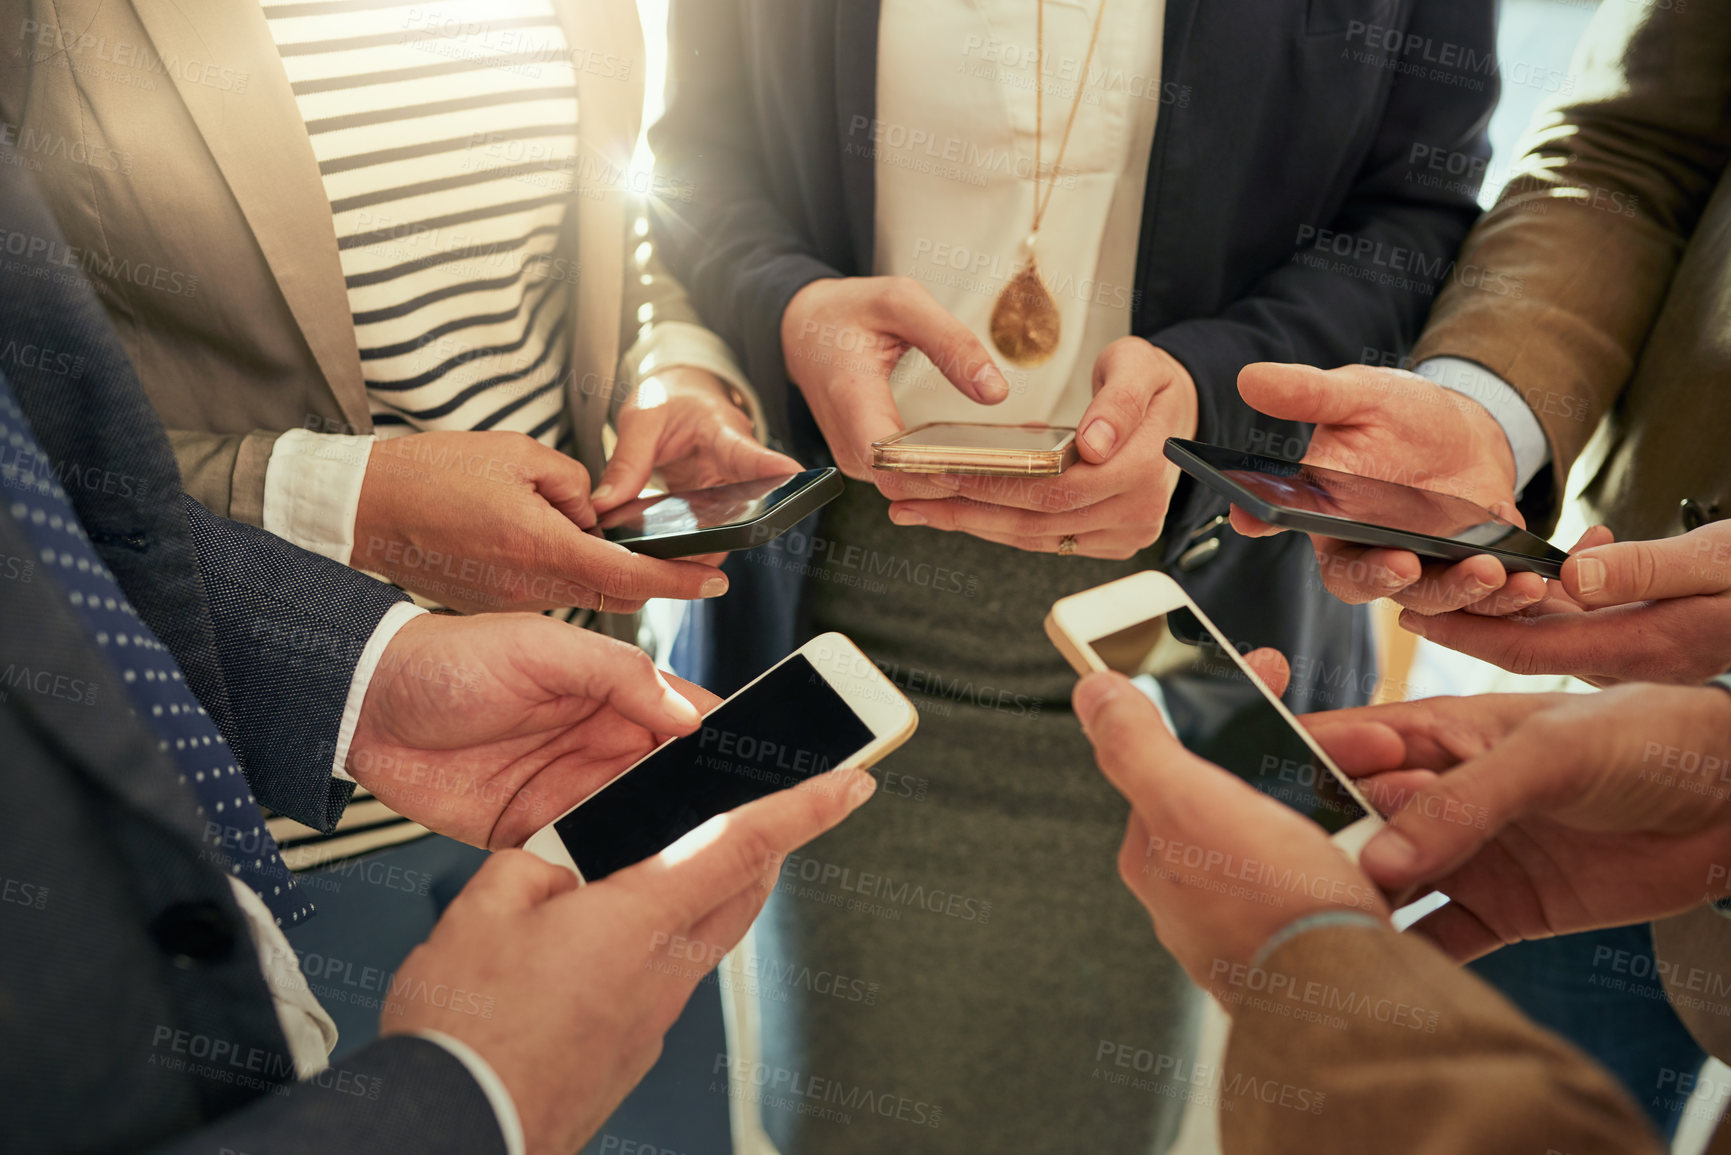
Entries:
{"x":312,"y":489}
{"x":1310,"y":922}
{"x":498,"y":1095}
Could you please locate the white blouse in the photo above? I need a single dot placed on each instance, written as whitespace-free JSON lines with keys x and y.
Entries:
{"x":953,"y":147}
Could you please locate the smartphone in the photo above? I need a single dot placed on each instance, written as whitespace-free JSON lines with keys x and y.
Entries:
{"x":743,"y":515}
{"x":1363,"y":509}
{"x":969,"y":447}
{"x":1146,"y":627}
{"x":823,"y":707}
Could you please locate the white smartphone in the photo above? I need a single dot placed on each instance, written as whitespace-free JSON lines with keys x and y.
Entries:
{"x":1146,"y":627}
{"x":823,"y":707}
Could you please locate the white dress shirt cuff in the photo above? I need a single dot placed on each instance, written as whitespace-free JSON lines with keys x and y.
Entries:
{"x":395,"y":619}
{"x":504,"y":1107}
{"x":1504,"y":403}
{"x":312,"y":488}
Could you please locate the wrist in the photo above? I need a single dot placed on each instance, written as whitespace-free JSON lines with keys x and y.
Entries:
{"x":1178,"y":398}
{"x":370,"y":508}
{"x":798,"y":324}
{"x":725,"y":399}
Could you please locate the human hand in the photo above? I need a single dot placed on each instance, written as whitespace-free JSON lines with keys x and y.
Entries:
{"x":1114,"y":500}
{"x":488,"y":728}
{"x":1399,"y":427}
{"x":1545,"y":814}
{"x":495,"y":521}
{"x":682,"y":422}
{"x":1206,"y":853}
{"x":1648,"y":611}
{"x":843,"y":337}
{"x":566,"y":991}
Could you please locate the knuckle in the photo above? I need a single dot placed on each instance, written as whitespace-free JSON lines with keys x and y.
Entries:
{"x":903,"y":294}
{"x":1644,"y":570}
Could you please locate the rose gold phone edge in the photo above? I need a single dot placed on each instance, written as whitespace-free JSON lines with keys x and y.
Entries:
{"x":1082,"y":658}
{"x":976,"y":462}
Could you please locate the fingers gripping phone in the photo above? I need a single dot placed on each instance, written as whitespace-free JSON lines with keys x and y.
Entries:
{"x":1146,"y":627}
{"x":1362,"y":509}
{"x":978,"y":448}
{"x":724,"y":518}
{"x":824,"y":707}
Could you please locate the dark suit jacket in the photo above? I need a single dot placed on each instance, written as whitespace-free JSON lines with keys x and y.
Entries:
{"x":1291,"y":124}
{"x":1617,"y":221}
{"x":133,"y":1012}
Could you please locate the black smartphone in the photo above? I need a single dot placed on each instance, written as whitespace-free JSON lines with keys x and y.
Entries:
{"x":823,"y":707}
{"x":1363,"y":509}
{"x":743,"y":515}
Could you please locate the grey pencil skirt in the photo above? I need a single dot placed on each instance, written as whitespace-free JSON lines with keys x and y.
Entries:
{"x":958,"y":967}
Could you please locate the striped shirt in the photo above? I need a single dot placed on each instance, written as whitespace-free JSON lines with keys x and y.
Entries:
{"x":446,"y":136}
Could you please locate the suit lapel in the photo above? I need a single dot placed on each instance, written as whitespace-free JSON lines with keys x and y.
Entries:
{"x":1151,"y":267}
{"x":609,"y":116}
{"x":856,"y":93}
{"x":225,"y":66}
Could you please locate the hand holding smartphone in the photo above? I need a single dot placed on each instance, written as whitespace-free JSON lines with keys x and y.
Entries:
{"x":975,"y":448}
{"x":1146,"y":627}
{"x":721,"y":519}
{"x":823,"y":707}
{"x":1363,"y":510}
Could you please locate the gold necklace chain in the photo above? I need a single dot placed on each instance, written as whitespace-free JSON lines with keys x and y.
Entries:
{"x":1040,"y":206}
{"x":1026,"y":323}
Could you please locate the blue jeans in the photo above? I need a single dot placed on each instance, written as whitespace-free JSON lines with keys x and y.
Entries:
{"x":1599,"y":991}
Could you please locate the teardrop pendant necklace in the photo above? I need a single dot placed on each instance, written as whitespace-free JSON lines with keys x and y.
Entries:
{"x":1026,"y":325}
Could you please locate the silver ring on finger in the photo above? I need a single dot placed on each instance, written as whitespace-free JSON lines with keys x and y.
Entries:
{"x":1067,"y":545}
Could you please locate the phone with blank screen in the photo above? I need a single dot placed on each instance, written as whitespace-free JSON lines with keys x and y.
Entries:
{"x":1146,"y":627}
{"x":824,"y":707}
{"x":721,"y":519}
{"x":1363,"y":510}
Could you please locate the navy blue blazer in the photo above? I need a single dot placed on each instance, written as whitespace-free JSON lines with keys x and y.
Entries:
{"x":133,"y":1012}
{"x":1291,"y":215}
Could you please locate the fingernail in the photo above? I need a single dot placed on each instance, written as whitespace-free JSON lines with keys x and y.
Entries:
{"x":713,"y":587}
{"x":1100,"y":437}
{"x":601,"y":494}
{"x":1390,"y":855}
{"x":1589,"y":574}
{"x":1412,"y":623}
{"x":679,"y":705}
{"x":860,"y":789}
{"x":989,"y":381}
{"x":1092,"y":697}
{"x":908,"y":517}
{"x":947,"y":481}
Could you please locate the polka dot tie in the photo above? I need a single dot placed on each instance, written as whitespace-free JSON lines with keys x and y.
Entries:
{"x":235,"y":837}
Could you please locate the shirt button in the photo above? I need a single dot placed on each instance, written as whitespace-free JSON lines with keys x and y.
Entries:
{"x":194,"y":932}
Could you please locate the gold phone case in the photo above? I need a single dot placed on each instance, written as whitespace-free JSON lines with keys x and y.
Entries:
{"x":979,"y":448}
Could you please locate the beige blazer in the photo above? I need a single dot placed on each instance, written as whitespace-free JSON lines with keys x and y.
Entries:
{"x":1361,"y":1039}
{"x":166,"y":139}
{"x":1613,"y":243}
